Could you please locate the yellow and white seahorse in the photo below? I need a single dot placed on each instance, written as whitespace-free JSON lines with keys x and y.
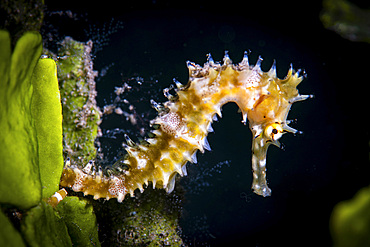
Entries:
{"x":183,"y":123}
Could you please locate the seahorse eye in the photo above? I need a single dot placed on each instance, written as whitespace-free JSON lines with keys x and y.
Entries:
{"x":274,"y":131}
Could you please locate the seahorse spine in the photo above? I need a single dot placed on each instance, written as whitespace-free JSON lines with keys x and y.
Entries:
{"x":183,"y":123}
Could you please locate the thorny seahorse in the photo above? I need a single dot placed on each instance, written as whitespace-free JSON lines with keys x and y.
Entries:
{"x":183,"y":123}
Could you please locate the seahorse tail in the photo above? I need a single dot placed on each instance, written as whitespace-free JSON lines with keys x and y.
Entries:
{"x":93,"y":183}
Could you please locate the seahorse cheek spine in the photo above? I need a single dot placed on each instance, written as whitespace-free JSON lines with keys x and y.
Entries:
{"x":184,"y":122}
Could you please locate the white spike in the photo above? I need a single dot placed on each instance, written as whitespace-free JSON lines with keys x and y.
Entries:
{"x":99,"y":174}
{"x":146,"y":182}
{"x":290,"y":71}
{"x":206,"y":145}
{"x":68,"y":162}
{"x":132,"y":194}
{"x":87,"y":168}
{"x":155,"y":105}
{"x":178,"y":84}
{"x":194,"y":157}
{"x":190,"y":65}
{"x":218,"y":111}
{"x":129,"y":142}
{"x":152,"y":141}
{"x":171,"y":184}
{"x":244,"y":121}
{"x":209,"y":127}
{"x":272,"y":71}
{"x":210,"y":59}
{"x":245,"y":62}
{"x":166,"y":177}
{"x":300,"y":98}
{"x":289,"y":129}
{"x":166,"y":92}
{"x":304,"y":74}
{"x":93,"y":171}
{"x":214,"y":117}
{"x":140,"y":187}
{"x":227,"y":59}
{"x":121,"y":196}
{"x":184,"y":172}
{"x":290,"y":121}
{"x":299,"y":71}
{"x":258,"y":63}
{"x":178,"y":169}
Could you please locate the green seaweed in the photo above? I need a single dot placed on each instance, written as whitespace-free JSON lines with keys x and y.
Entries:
{"x":81,"y":115}
{"x":350,"y":221}
{"x":31,"y":154}
{"x":38,"y":109}
{"x":80,"y":220}
{"x":346,"y":19}
{"x":73,"y":222}
{"x":47,"y":111}
{"x":150,"y":218}
{"x":31,"y":123}
{"x":43,"y":226}
{"x":20,"y":176}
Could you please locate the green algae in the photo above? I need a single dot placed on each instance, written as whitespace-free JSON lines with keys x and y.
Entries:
{"x":31,"y":123}
{"x":346,"y":19}
{"x":20,"y":175}
{"x":43,"y":226}
{"x":73,"y":222}
{"x":350,"y":221}
{"x":150,"y":218}
{"x":47,"y":108}
{"x":31,"y":152}
{"x":81,"y":115}
{"x":80,"y":220}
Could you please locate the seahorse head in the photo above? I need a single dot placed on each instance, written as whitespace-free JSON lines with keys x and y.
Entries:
{"x":268,"y":120}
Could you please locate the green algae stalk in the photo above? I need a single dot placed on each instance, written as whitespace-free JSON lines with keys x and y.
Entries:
{"x":47,"y":112}
{"x":81,"y":115}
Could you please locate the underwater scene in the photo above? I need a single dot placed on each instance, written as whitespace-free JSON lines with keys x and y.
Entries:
{"x":150,"y":123}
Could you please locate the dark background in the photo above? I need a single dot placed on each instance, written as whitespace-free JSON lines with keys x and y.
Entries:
{"x":325,"y":165}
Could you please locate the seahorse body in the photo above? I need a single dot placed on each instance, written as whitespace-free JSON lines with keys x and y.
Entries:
{"x":184,"y":122}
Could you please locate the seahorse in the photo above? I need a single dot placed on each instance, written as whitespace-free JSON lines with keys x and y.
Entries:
{"x":184,"y":121}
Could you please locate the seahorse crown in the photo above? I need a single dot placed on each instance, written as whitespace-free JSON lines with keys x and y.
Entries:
{"x":183,"y":123}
